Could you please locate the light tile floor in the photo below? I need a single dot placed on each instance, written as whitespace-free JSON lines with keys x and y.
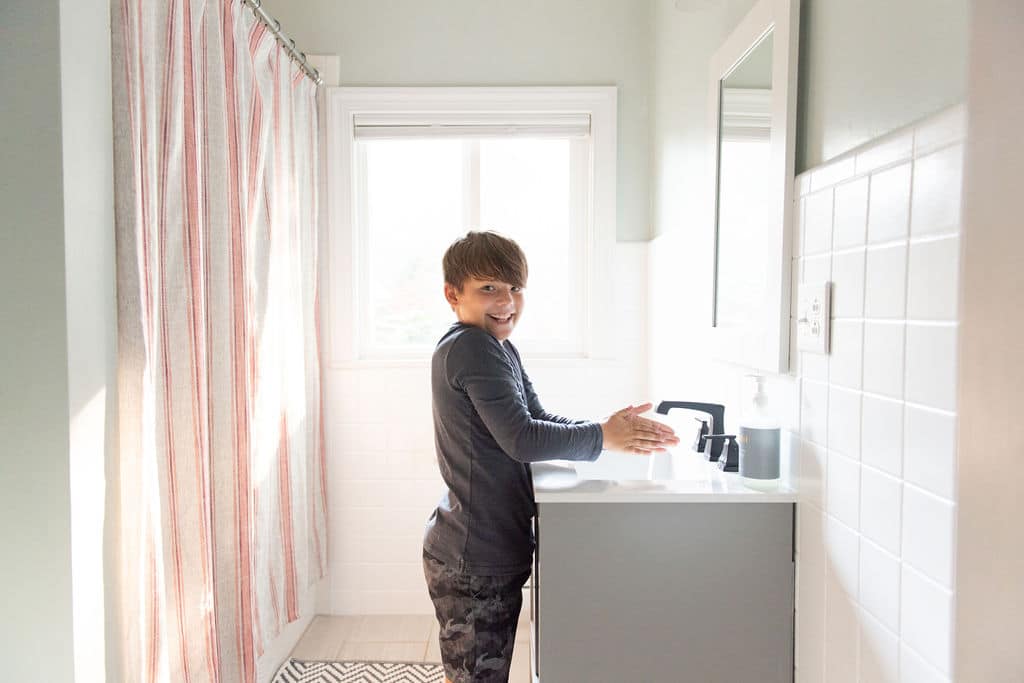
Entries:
{"x":404,"y":638}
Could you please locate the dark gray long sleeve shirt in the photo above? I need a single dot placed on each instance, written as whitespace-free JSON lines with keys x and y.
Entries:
{"x":488,"y":427}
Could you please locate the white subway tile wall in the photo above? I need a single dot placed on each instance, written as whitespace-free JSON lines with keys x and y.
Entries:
{"x":931,"y":293}
{"x":816,"y":268}
{"x":889,"y":204}
{"x":894,"y":149}
{"x":832,"y":173}
{"x":880,"y":586}
{"x":883,"y":358}
{"x":885,"y":282}
{"x":846,"y":353}
{"x":848,"y":284}
{"x":936,"y":210}
{"x":913,"y":669}
{"x":382,"y":475}
{"x":926,"y":619}
{"x":814,"y":412}
{"x":851,"y":215}
{"x":880,"y":501}
{"x":931,"y":365}
{"x":817,"y":237}
{"x":843,"y":492}
{"x":879,"y":652}
{"x":878,"y":419}
{"x":930,"y":450}
{"x":881,"y":433}
{"x":841,"y":633}
{"x":844,"y":422}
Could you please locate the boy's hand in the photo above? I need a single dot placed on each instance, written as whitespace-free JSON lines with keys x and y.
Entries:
{"x":627,"y":431}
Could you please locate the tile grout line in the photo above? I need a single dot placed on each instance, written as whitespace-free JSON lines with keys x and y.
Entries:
{"x":903,"y":396}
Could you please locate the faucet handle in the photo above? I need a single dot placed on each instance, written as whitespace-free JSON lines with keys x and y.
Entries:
{"x":702,"y":432}
{"x":728,"y":458}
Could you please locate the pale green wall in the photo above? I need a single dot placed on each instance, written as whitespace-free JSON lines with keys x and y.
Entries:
{"x":57,"y":336}
{"x":872,"y":66}
{"x":474,"y":42}
{"x":685,"y":35}
{"x":866,"y":68}
{"x":91,"y":311}
{"x":35,"y":506}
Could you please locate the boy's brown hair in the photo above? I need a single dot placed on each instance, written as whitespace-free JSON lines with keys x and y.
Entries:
{"x":484,"y":255}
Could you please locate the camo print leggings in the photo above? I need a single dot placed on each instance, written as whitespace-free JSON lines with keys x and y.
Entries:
{"x":477,"y":616}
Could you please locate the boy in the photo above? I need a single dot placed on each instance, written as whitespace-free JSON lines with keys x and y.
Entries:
{"x":488,"y":427}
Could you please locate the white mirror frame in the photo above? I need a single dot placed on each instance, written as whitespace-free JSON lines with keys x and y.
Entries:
{"x":764,"y":344}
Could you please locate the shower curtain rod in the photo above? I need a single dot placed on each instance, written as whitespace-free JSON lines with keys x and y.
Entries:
{"x":287,"y":43}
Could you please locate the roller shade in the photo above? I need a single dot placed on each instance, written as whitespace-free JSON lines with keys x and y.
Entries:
{"x":476,"y":125}
{"x":746,"y":113}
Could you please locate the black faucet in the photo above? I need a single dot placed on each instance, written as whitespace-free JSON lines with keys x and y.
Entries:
{"x":715,"y":411}
{"x":729,"y":459}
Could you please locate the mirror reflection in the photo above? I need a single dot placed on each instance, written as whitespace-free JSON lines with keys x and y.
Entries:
{"x":744,"y":150}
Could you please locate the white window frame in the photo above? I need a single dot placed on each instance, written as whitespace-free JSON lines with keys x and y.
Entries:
{"x":342,"y":239}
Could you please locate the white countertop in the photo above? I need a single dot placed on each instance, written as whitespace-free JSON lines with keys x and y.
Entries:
{"x":680,"y":476}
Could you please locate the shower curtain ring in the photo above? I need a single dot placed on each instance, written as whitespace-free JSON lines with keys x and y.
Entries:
{"x":256,"y":3}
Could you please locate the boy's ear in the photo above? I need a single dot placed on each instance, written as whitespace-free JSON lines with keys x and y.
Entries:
{"x":451,"y":293}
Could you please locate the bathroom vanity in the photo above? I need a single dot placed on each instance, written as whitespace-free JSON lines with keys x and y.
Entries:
{"x":660,"y":569}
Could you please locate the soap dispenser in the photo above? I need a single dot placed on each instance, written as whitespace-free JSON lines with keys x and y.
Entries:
{"x":758,"y":437}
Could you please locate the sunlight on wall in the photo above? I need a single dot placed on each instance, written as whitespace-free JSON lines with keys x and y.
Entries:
{"x":88,"y":493}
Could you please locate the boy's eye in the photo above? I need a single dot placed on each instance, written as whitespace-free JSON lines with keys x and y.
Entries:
{"x":517,"y":289}
{"x":488,"y":288}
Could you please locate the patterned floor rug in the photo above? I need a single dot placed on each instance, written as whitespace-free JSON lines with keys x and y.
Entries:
{"x":296,"y":671}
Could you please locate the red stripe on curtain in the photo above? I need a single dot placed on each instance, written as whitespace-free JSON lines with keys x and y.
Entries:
{"x":284,"y":479}
{"x":240,"y":398}
{"x":144,"y":204}
{"x":171,"y":461}
{"x":195,"y":265}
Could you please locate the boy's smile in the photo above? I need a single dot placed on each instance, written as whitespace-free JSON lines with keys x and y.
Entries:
{"x":491,"y":304}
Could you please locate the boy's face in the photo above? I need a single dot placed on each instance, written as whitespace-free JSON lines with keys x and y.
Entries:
{"x":491,"y":304}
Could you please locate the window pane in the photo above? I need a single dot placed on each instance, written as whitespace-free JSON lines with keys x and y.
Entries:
{"x":414,"y":210}
{"x":524,"y":193}
{"x":417,"y":203}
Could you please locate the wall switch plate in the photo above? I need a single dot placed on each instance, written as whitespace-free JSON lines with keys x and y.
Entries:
{"x":813,"y":317}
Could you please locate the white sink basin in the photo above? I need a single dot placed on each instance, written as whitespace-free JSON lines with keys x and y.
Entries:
{"x":668,"y":466}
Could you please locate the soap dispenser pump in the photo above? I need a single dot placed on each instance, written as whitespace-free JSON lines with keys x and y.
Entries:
{"x":758,"y":438}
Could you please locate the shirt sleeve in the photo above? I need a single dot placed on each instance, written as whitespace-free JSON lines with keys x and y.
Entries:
{"x":533,"y":402}
{"x":479,"y":365}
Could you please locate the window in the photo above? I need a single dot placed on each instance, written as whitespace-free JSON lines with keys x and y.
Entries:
{"x":411,"y":169}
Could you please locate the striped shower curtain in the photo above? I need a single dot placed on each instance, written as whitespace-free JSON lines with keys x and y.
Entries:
{"x":221,"y":518}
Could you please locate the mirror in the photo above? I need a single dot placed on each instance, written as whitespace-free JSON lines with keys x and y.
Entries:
{"x":752,"y":102}
{"x":744,"y":155}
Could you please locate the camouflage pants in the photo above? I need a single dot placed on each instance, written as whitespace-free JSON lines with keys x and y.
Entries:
{"x":477,"y":616}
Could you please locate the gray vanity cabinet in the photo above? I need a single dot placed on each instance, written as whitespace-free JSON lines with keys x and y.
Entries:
{"x":663,"y":592}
